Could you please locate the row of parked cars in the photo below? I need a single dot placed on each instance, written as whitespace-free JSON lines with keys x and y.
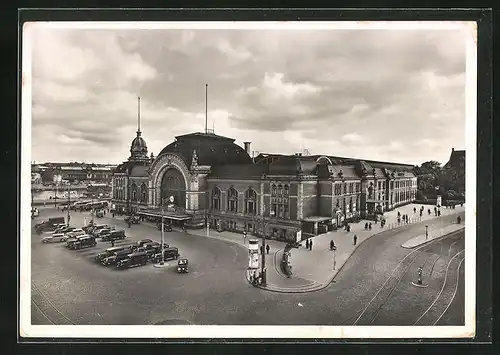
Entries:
{"x":64,"y":233}
{"x":137,"y":254}
{"x":124,"y":256}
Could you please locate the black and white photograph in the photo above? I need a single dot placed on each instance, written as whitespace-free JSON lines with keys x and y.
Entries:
{"x":248,"y":180}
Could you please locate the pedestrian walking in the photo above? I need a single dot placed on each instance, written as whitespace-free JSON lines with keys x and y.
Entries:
{"x":244,"y":236}
{"x":439,"y":213}
{"x":112,"y":242}
{"x":459,"y":219}
{"x":366,"y":225}
{"x":307,"y":244}
{"x":311,"y":245}
{"x":355,"y":239}
{"x":414,"y":210}
{"x":370,"y":226}
{"x":332,"y":244}
{"x":267,"y":248}
{"x":399,"y":220}
{"x":348,"y":228}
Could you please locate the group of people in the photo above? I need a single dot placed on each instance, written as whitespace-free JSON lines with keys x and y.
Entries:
{"x":404,"y":217}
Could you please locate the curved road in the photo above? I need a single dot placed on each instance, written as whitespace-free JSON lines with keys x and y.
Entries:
{"x":70,"y":288}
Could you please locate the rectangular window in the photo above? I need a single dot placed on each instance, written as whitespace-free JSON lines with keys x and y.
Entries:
{"x":351,"y":188}
{"x":345,"y":188}
{"x":285,"y":211}
{"x":274,"y":209}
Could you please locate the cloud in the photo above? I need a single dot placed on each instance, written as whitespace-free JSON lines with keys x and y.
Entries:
{"x":386,"y":94}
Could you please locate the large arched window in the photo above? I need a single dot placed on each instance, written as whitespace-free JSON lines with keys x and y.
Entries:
{"x":134,"y":192}
{"x":144,"y":193}
{"x":216,"y":195}
{"x":250,"y":201}
{"x":232,"y":200}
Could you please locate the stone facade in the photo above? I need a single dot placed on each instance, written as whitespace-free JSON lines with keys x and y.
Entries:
{"x":277,"y":196}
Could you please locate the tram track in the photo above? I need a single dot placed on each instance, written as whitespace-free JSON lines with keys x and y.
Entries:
{"x":372,"y":309}
{"x":46,"y":307}
{"x":440,"y":302}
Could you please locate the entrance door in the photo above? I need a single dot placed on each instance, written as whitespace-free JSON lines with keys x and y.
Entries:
{"x":173,"y":188}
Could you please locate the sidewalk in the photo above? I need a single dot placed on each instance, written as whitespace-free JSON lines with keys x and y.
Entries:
{"x":433,"y":234}
{"x":317,"y":265}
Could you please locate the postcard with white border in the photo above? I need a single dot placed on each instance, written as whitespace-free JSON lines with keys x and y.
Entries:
{"x":248,"y":180}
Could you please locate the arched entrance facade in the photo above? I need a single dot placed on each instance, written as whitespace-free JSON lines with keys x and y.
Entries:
{"x":169,"y":180}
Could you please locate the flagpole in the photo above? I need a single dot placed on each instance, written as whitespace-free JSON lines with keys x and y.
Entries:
{"x":206,"y":108}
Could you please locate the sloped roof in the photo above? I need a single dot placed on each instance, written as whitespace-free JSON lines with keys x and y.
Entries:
{"x":456,"y":158}
{"x":292,"y":165}
{"x":211,"y":149}
{"x":239,"y":171}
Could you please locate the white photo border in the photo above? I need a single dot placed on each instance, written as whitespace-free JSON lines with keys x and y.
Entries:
{"x":27,"y":330}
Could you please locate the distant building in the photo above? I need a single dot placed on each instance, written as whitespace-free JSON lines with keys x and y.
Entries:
{"x":453,"y":177}
{"x":74,"y":172}
{"x":204,"y":177}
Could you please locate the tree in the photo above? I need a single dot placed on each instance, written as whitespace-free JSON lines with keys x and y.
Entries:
{"x":428,"y":177}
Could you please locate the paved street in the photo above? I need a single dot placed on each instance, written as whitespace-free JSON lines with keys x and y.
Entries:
{"x":70,"y":288}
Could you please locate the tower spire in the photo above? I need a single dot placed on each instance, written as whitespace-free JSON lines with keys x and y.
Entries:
{"x":138,"y":115}
{"x":206,"y":108}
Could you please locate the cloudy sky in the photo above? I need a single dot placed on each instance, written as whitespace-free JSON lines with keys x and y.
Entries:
{"x":376,"y":94}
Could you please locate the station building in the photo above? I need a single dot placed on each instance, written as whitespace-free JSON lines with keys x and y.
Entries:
{"x":204,"y":177}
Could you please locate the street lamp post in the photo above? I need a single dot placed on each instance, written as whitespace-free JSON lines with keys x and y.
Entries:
{"x":67,"y":207}
{"x":263,"y":264}
{"x":334,"y":260}
{"x":162,"y":261}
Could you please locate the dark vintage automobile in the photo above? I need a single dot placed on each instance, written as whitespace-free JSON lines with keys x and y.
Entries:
{"x":167,"y":227}
{"x":111,"y":251}
{"x":93,"y":227}
{"x":117,"y":256}
{"x":49,"y":224}
{"x":73,"y":240}
{"x":152,"y":248}
{"x":98,"y":232}
{"x":139,"y":258}
{"x":132,"y":219}
{"x":182,"y":265}
{"x":169,"y":253}
{"x":141,"y":242}
{"x":113,"y":235}
{"x":84,"y":242}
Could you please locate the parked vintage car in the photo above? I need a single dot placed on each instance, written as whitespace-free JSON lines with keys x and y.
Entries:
{"x":100,"y":232}
{"x":71,"y":241}
{"x":99,"y":213}
{"x":48,"y":225}
{"x":116,"y":256}
{"x":96,"y":232}
{"x":86,"y":241}
{"x":151,"y":249}
{"x":113,"y":235}
{"x":141,"y":242}
{"x":54,"y":238}
{"x":182,"y":265}
{"x":111,"y":251}
{"x":169,"y":253}
{"x":59,"y":228}
{"x":132,"y":260}
{"x":74,"y":233}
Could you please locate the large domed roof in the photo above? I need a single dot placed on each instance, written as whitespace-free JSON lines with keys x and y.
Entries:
{"x":138,"y":148}
{"x":211,"y":149}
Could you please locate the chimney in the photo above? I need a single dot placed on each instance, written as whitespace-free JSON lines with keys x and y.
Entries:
{"x":247,"y":147}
